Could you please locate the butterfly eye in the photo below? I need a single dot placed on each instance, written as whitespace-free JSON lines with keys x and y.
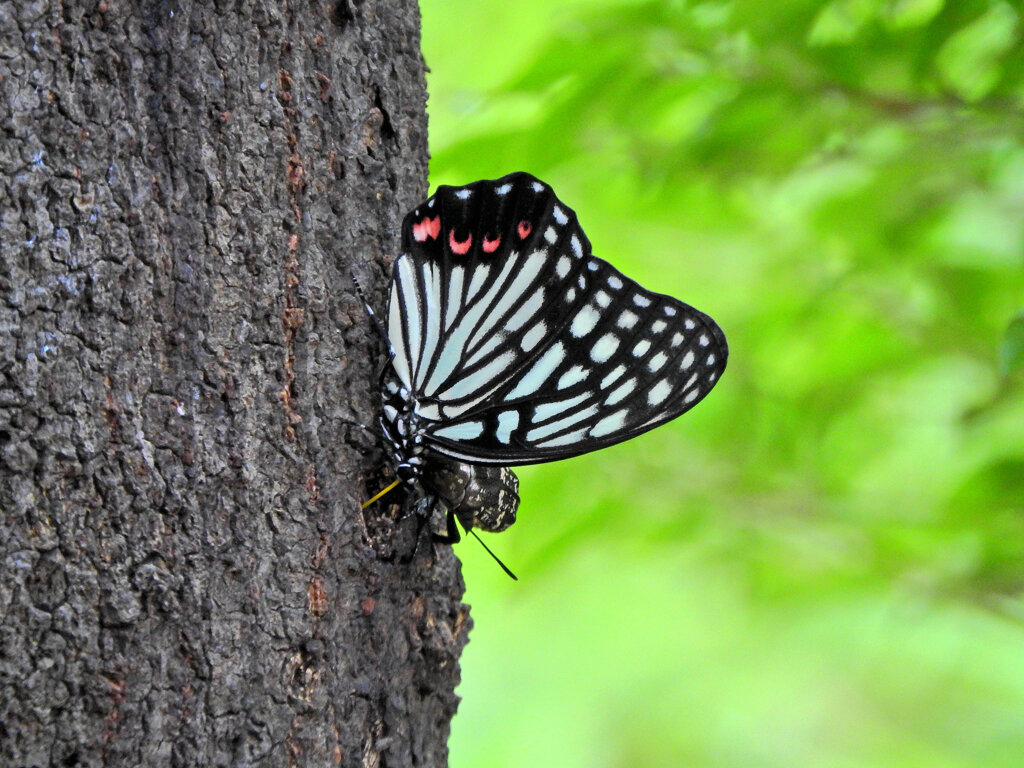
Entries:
{"x":525,"y":228}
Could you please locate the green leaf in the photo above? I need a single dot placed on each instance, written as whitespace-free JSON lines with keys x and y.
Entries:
{"x":1011,"y":352}
{"x":969,"y":61}
{"x":906,"y":14}
{"x":840,"y":21}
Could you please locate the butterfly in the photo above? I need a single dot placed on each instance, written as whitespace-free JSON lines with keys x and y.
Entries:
{"x":511,"y":344}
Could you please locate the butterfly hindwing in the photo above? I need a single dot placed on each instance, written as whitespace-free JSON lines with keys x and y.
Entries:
{"x":519,"y":346}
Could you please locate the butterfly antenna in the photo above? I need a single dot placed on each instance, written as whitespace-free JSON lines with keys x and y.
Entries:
{"x":382,"y":493}
{"x":496,"y":558}
{"x":369,"y":310}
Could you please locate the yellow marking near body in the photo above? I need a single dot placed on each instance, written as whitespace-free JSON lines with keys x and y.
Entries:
{"x":377,"y":496}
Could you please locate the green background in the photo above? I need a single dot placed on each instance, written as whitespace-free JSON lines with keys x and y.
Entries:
{"x":821,"y":564}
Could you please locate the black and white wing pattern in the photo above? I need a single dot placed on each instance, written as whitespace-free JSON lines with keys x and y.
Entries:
{"x":513,"y":344}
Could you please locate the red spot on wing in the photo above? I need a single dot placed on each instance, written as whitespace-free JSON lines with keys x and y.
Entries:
{"x":490,"y":246}
{"x":426,"y":228}
{"x":525,"y":228}
{"x":460,"y":248}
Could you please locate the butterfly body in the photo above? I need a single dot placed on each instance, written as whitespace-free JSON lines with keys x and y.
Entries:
{"x":512,"y":344}
{"x":480,"y":496}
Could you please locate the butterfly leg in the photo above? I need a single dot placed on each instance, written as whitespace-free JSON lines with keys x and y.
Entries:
{"x":451,"y":535}
{"x":423,"y":510}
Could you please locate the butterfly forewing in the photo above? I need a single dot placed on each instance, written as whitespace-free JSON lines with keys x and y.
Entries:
{"x":519,"y":346}
{"x":468,"y":283}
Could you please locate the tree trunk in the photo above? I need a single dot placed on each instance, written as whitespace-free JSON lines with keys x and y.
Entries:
{"x":187,"y":576}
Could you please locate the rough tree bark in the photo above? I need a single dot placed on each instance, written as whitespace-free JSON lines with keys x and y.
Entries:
{"x":187,"y":578}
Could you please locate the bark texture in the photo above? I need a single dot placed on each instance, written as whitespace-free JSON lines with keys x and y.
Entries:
{"x":186,"y":577}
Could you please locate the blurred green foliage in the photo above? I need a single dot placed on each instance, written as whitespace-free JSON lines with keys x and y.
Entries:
{"x":822,"y":564}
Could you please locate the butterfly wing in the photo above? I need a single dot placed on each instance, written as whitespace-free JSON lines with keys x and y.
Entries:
{"x":520,"y":346}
